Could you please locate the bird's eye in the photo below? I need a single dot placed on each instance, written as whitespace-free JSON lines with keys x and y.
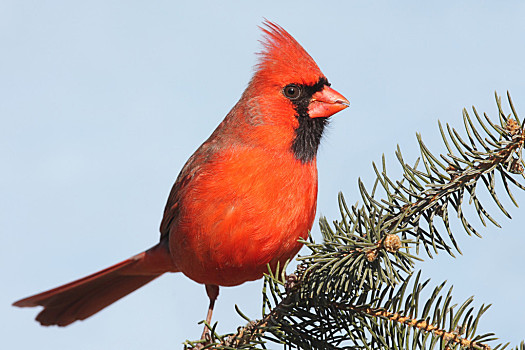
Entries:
{"x":292,"y":92}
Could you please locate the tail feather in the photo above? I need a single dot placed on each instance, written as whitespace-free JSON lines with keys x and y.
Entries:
{"x":86,"y":296}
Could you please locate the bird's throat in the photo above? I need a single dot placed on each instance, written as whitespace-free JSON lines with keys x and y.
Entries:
{"x":307,"y":137}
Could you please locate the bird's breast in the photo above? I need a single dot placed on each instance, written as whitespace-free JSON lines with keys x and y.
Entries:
{"x":246,"y":208}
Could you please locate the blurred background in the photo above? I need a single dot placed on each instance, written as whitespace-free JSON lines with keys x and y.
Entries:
{"x":102,"y":102}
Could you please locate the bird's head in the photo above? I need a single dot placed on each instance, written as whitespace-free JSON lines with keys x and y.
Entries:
{"x":289,"y":99}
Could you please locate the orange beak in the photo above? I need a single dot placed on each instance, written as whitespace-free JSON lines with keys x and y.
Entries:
{"x":326,"y":102}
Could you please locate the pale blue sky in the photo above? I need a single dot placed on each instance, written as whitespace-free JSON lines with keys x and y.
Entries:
{"x":103,"y":101}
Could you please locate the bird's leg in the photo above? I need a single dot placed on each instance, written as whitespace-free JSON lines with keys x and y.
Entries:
{"x":213,"y":292}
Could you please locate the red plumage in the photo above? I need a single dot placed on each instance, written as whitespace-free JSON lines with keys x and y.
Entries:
{"x":241,"y":201}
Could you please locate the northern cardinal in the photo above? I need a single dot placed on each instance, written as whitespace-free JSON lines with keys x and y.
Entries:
{"x":243,"y":199}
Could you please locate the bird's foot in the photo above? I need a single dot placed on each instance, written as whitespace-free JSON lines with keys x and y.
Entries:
{"x":291,"y":282}
{"x":206,"y":335}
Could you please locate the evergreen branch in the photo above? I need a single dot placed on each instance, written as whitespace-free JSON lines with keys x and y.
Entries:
{"x":355,"y":324}
{"x":447,"y":336}
{"x":442,"y":189}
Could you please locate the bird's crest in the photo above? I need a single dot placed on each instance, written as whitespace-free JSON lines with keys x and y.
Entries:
{"x":283,"y":56}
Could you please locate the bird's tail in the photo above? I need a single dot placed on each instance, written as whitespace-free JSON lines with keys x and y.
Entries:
{"x":84,"y":297}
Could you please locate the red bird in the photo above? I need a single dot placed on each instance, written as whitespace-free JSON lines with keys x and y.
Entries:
{"x":243,"y":199}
